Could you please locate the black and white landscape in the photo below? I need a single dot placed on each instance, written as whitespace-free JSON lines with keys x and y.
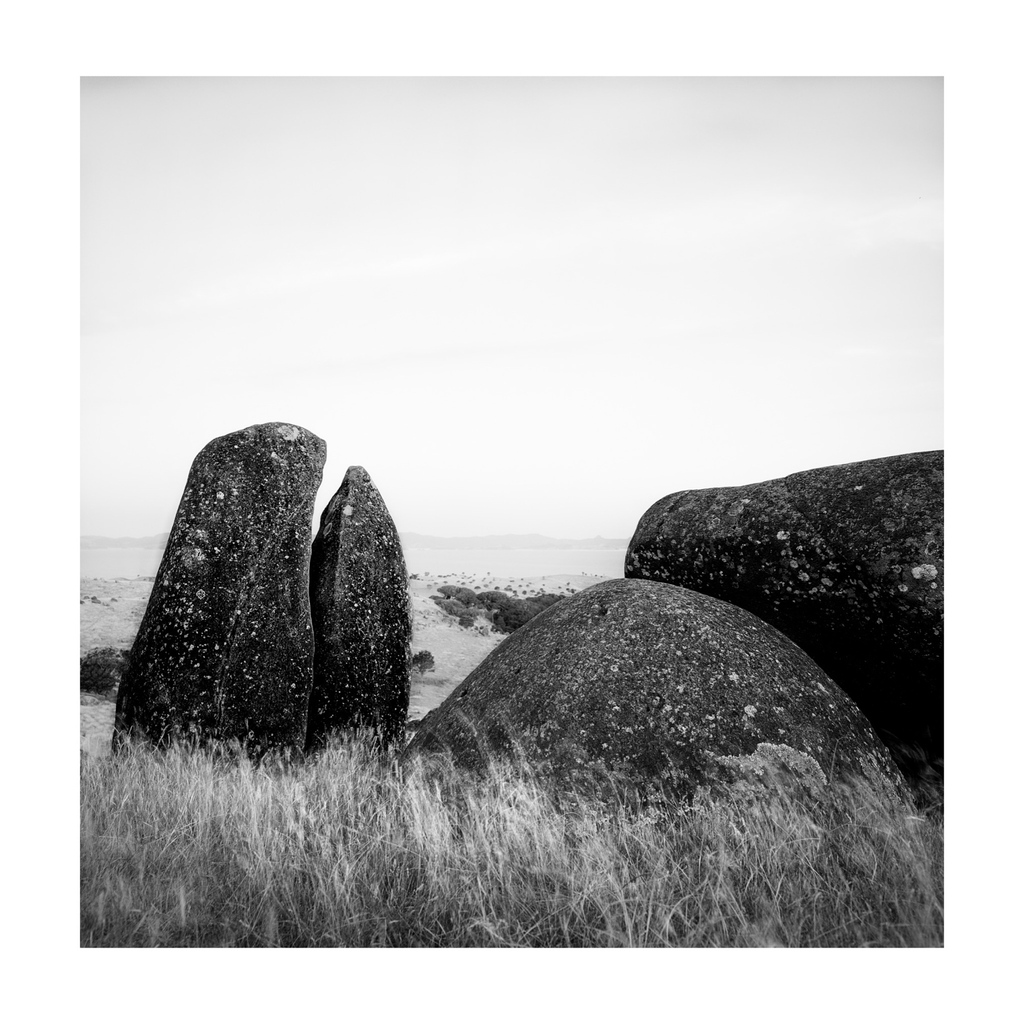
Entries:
{"x":512,"y":512}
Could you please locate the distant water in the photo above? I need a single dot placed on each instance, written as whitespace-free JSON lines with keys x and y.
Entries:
{"x":107,"y":563}
{"x":522,"y":562}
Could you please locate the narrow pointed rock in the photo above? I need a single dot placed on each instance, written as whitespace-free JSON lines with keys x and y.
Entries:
{"x":361,"y":620}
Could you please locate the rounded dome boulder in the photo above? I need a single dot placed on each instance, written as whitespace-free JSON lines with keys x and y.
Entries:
{"x":656,"y":684}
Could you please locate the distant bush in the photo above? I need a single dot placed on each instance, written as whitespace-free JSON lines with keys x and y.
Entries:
{"x":509,"y":620}
{"x":463,"y":594}
{"x":492,"y":599}
{"x":509,"y":613}
{"x":451,"y":606}
{"x":100,"y":670}
{"x":506,"y":613}
{"x":424,"y":661}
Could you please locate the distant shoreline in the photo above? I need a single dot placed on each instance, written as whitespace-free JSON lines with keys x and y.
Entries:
{"x":130,"y":562}
{"x":419,"y":541}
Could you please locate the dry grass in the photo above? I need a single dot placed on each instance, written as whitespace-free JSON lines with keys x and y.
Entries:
{"x":187,"y":849}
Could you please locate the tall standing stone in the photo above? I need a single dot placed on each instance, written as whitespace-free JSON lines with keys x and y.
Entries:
{"x":225,"y":649}
{"x":361,"y":619}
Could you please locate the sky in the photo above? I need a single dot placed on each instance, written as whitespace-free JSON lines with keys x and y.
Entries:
{"x":524,"y":305}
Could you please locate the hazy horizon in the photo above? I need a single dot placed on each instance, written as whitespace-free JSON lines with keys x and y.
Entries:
{"x":404,"y":533}
{"x":529,"y":305}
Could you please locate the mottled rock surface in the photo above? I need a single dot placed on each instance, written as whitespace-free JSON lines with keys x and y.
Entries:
{"x":846,"y":560}
{"x":225,"y":649}
{"x":100,"y":670}
{"x":361,"y":617}
{"x":658,"y":685}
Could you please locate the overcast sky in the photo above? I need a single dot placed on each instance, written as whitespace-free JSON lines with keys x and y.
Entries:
{"x":524,"y":305}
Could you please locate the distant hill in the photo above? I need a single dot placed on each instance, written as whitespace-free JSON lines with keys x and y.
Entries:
{"x":503,"y":542}
{"x":511,"y":542}
{"x":158,"y":541}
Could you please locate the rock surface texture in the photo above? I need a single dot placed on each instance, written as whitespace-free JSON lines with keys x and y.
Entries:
{"x":361,"y":617}
{"x":658,"y":685}
{"x":846,"y":560}
{"x":225,"y":649}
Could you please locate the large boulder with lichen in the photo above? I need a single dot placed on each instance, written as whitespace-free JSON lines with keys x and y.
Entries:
{"x":361,"y":617}
{"x":100,"y":670}
{"x":225,"y":649}
{"x":846,"y":560}
{"x":661,"y":688}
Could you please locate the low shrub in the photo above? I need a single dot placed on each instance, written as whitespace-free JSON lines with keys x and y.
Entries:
{"x":509,"y":613}
{"x":423,"y":661}
{"x":465,"y":614}
{"x":100,"y":670}
{"x":463,"y":594}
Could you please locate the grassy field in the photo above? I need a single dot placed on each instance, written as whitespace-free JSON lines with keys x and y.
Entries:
{"x":187,"y":849}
